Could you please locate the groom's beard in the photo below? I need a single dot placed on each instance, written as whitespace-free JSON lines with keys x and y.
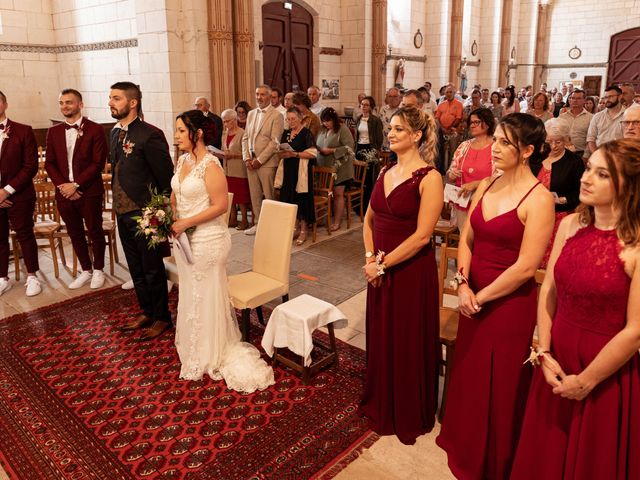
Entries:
{"x":120,"y":114}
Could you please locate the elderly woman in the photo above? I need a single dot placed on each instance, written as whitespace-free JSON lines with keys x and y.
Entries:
{"x":560,"y":172}
{"x":235,"y":169}
{"x":310,"y":120}
{"x":242,"y":108}
{"x":540,"y":107}
{"x":335,"y":149}
{"x":294,"y":176}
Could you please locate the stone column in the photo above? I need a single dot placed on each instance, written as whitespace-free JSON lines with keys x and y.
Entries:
{"x":505,"y":40}
{"x":243,"y":48}
{"x":542,"y":44}
{"x":455,"y":40}
{"x":379,"y":51}
{"x":220,"y":34}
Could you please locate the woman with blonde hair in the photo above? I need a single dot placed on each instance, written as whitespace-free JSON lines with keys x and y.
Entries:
{"x":583,"y":414}
{"x":401,"y":385}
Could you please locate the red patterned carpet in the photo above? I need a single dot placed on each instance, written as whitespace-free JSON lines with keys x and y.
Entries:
{"x":81,"y":400}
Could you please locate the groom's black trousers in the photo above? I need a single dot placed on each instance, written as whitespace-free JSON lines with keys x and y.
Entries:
{"x":146,"y":268}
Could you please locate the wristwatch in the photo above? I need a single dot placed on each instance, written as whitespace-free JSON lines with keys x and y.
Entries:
{"x":369,"y":255}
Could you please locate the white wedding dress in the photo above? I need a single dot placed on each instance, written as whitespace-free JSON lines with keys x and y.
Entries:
{"x":207,"y":333}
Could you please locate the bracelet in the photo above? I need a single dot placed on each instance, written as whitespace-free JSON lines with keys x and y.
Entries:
{"x":535,"y":356}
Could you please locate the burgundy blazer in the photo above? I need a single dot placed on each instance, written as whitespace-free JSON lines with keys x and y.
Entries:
{"x":89,"y":157}
{"x":19,"y":161}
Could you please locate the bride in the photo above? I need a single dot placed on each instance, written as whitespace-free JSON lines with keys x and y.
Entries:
{"x":207,"y":334}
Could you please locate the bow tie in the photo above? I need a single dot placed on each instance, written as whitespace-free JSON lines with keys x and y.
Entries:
{"x":1,"y":126}
{"x":67,"y":126}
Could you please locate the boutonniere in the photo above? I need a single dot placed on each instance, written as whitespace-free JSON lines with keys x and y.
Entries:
{"x":127,"y":147}
{"x":80,"y":130}
{"x":5,"y":133}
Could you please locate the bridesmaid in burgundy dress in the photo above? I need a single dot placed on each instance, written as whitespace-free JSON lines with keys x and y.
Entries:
{"x":401,"y":386}
{"x":583,"y":415}
{"x":501,"y":246}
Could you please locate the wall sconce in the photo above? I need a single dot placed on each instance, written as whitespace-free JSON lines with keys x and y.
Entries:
{"x":390,"y":47}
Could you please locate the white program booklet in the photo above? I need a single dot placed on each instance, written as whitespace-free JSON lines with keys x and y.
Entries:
{"x":286,"y":147}
{"x":184,"y":247}
{"x":215,"y":151}
{"x":453,"y":194}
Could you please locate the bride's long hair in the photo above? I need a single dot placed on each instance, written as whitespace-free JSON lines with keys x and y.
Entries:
{"x":195,"y":120}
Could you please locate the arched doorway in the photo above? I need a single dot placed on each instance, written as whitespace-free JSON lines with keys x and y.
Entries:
{"x":624,"y":57}
{"x":287,"y":54}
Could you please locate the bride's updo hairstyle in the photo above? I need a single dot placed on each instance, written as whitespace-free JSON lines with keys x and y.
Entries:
{"x":195,"y":120}
{"x":522,"y":129}
{"x":418,"y":120}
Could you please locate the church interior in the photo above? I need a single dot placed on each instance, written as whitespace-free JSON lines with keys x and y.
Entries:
{"x":179,"y":50}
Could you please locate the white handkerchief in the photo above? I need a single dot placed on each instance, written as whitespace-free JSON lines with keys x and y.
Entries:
{"x":184,"y":247}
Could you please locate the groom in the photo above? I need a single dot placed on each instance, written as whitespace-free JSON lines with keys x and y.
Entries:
{"x":139,"y":160}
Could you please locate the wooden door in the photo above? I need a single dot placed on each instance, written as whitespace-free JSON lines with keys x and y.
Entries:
{"x":287,"y":54}
{"x":624,"y":57}
{"x":592,"y":85}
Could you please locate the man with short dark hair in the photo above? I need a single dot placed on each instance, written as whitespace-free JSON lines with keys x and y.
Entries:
{"x":276,"y":100}
{"x":202,"y":104}
{"x":76,"y":155}
{"x":485,"y":100}
{"x":140,"y":162}
{"x":18,"y":166}
{"x":578,"y":119}
{"x":606,"y":125}
{"x":393,"y":99}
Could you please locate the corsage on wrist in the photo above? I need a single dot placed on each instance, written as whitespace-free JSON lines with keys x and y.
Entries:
{"x":459,"y":279}
{"x":380,"y":266}
{"x":535,"y":356}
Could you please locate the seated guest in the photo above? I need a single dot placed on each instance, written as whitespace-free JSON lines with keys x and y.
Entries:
{"x":540,"y":107}
{"x":582,"y":419}
{"x":18,"y":166}
{"x":294,"y":176}
{"x":496,"y":105}
{"x":76,"y":154}
{"x":310,"y":120}
{"x":242,"y":108}
{"x":510,"y":103}
{"x":560,"y":172}
{"x":335,"y":149}
{"x":202,"y":104}
{"x":235,"y":169}
{"x":631,"y":122}
{"x":368,"y":143}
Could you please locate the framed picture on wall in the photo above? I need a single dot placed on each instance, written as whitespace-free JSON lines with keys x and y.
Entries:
{"x":330,"y":89}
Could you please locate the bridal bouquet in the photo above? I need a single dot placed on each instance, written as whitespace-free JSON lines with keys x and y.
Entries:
{"x":156,"y":219}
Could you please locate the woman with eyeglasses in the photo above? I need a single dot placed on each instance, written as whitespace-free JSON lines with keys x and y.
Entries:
{"x":471,"y":161}
{"x":560,"y":172}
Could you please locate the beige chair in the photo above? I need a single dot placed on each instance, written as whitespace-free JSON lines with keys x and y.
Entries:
{"x":322,"y":196}
{"x":170,"y":262}
{"x":355,"y":193}
{"x":269,"y":276}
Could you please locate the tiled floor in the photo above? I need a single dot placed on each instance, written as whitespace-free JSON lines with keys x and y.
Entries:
{"x":328,"y":269}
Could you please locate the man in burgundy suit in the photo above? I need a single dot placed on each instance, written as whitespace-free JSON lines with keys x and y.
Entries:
{"x":76,"y":155}
{"x":18,"y":166}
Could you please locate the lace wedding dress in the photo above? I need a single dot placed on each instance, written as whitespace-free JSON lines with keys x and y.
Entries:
{"x":207,"y":333}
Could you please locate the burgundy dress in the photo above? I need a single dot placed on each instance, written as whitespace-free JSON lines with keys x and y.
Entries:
{"x":598,"y":437}
{"x":401,"y":389}
{"x":489,"y":384}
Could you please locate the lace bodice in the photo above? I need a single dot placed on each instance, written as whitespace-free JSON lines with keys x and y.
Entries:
{"x":593,"y":287}
{"x":191,"y":194}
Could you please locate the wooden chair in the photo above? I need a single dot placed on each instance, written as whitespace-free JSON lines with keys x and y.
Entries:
{"x":268,"y":278}
{"x":46,"y":227}
{"x":449,"y":318}
{"x":41,"y":176}
{"x":355,"y":193}
{"x":323,"y":178}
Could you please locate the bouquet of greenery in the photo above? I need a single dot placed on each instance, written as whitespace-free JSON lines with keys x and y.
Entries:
{"x":156,"y":219}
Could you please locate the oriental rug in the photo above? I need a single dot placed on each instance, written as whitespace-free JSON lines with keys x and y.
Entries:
{"x":81,"y":400}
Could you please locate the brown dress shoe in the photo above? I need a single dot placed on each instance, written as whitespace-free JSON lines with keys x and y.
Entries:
{"x":140,"y":322}
{"x":155,"y":330}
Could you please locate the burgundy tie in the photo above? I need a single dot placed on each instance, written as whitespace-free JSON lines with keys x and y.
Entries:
{"x":67,"y":126}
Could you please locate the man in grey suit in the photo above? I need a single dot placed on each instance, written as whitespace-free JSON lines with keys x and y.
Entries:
{"x":259,"y":150}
